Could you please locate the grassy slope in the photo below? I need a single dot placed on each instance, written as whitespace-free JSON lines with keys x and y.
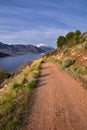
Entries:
{"x":15,"y":97}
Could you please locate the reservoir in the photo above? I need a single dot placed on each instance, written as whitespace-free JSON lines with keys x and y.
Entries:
{"x":12,"y":62}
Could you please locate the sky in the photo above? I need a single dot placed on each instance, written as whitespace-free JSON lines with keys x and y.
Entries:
{"x":40,"y":21}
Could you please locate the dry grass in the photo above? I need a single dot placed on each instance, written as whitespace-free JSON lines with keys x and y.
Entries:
{"x":15,"y":98}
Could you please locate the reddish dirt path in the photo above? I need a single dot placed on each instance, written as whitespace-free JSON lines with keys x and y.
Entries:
{"x":60,"y":102}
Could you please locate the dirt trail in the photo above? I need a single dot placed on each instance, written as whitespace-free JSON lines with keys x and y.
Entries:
{"x":60,"y":102}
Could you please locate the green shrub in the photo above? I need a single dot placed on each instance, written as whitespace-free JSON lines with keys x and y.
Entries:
{"x":32,"y":84}
{"x":77,"y":36}
{"x":74,"y":70}
{"x":66,"y":62}
{"x":16,"y":85}
{"x":61,"y":41}
{"x":69,"y":37}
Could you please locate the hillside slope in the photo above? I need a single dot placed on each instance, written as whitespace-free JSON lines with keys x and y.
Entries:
{"x":15,"y":96}
{"x":72,"y":57}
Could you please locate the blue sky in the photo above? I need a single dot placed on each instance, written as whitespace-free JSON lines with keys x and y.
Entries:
{"x":40,"y":21}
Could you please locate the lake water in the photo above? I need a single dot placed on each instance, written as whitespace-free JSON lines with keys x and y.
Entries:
{"x":12,"y":62}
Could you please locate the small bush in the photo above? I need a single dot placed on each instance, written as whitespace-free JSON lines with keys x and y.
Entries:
{"x":67,"y":62}
{"x":74,"y":70}
{"x":16,"y":85}
{"x":32,"y":84}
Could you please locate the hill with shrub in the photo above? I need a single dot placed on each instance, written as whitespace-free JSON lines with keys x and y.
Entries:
{"x":71,"y":54}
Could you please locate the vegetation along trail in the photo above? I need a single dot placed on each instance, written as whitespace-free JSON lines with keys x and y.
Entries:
{"x":60,"y":101}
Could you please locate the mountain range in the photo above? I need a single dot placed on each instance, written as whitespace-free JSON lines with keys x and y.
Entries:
{"x":10,"y":50}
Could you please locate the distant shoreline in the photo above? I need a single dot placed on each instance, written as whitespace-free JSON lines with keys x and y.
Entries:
{"x":7,"y":55}
{"x":2,"y":55}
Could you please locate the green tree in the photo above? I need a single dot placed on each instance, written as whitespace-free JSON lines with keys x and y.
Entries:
{"x":69,"y":37}
{"x":61,"y":41}
{"x":76,"y":36}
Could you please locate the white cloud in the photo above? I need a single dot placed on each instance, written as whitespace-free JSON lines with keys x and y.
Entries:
{"x":33,"y":36}
{"x":40,"y":21}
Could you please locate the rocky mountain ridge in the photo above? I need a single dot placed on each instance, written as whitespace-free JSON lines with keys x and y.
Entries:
{"x":8,"y":50}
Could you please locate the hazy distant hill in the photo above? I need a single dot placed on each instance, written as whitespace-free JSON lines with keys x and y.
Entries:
{"x":6,"y":49}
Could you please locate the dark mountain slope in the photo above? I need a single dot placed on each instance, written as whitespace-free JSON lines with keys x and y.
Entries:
{"x":21,"y":49}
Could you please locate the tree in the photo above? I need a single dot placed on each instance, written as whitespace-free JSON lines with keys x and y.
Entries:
{"x":61,"y":41}
{"x":69,"y":37}
{"x":76,"y":36}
